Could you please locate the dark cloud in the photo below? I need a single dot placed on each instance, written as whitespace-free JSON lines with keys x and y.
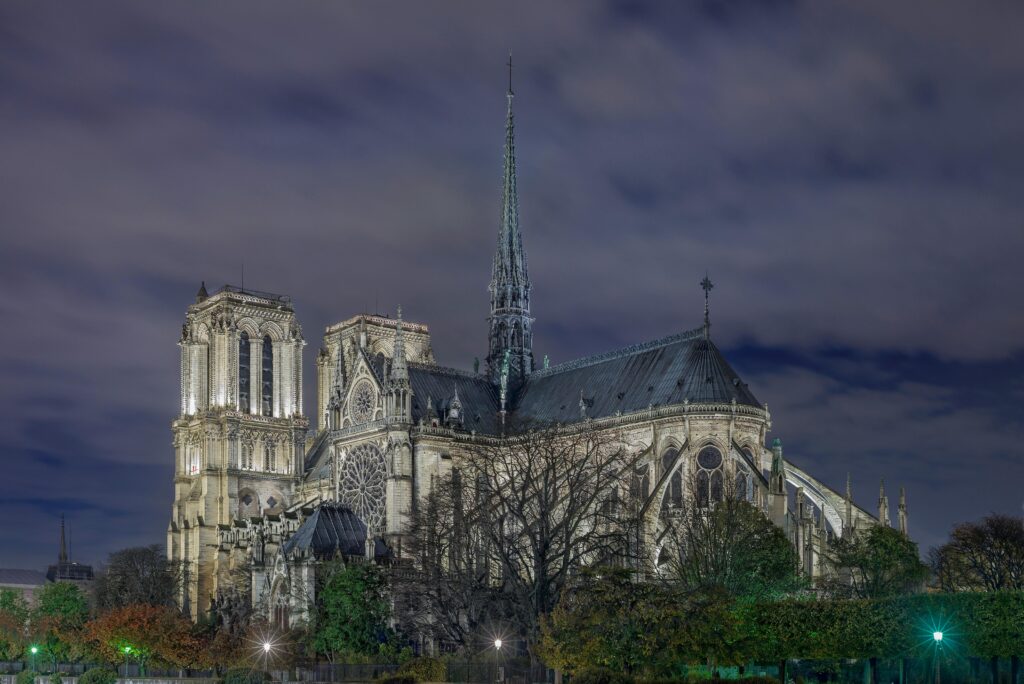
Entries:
{"x":848,"y":173}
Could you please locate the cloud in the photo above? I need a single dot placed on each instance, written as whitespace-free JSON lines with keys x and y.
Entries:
{"x":848,"y":174}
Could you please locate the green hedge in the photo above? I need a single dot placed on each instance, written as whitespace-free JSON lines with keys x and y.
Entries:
{"x":422,"y":669}
{"x":98,"y":675}
{"x":975,"y":624}
{"x":27,"y":677}
{"x":245,"y":675}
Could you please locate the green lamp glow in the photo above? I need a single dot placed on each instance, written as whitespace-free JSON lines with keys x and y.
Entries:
{"x":34,"y":649}
{"x":937,"y":636}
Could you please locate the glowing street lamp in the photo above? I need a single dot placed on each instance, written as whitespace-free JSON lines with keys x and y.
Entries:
{"x":33,"y":650}
{"x":266,"y":647}
{"x":497,"y":643}
{"x":937,"y":637}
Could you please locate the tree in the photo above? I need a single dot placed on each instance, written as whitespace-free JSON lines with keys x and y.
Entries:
{"x":535,"y":507}
{"x":61,"y":611}
{"x":352,"y":611}
{"x":14,"y":614}
{"x":982,"y":556}
{"x":730,"y":546}
{"x":144,"y":633}
{"x":141,"y":575}
{"x":874,"y":563}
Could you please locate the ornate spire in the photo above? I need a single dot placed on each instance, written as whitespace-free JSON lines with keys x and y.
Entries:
{"x":849,"y":503}
{"x":902,"y":510}
{"x":883,"y":505}
{"x":399,"y":369}
{"x":202,"y":294}
{"x":63,"y":557}
{"x":510,"y":322}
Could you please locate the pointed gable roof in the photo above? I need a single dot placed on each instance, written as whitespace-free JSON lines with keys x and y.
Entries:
{"x":332,"y":529}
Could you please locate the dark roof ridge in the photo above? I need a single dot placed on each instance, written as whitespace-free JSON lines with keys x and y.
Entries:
{"x":618,"y":353}
{"x":446,"y":370}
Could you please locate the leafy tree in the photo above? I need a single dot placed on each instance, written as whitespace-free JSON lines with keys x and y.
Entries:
{"x":61,"y":611}
{"x":352,"y":611}
{"x":605,"y":620}
{"x":14,"y":614}
{"x":144,"y":633}
{"x":982,"y":556}
{"x":874,"y":563}
{"x":141,"y":575}
{"x":730,"y":546}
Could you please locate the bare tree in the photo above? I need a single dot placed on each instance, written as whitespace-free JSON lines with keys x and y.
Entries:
{"x":982,"y":556}
{"x":138,"y":575}
{"x":519,"y":516}
{"x":447,"y":593}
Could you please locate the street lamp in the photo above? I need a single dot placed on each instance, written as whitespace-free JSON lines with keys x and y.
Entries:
{"x":266,"y":647}
{"x":937,"y":637}
{"x":33,"y":650}
{"x":497,"y":643}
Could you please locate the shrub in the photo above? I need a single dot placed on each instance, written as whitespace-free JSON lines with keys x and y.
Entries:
{"x":395,"y":679}
{"x":27,"y":677}
{"x":98,"y":675}
{"x":600,"y":675}
{"x":244,"y":675}
{"x":422,"y":670}
{"x":55,"y":678}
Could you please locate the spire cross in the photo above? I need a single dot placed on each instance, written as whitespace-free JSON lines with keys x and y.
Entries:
{"x":706,"y":285}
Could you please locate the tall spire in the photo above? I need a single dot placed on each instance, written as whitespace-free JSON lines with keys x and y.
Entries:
{"x":883,"y":505}
{"x":510,"y":322}
{"x":399,"y":369}
{"x":63,"y":557}
{"x":902,"y":510}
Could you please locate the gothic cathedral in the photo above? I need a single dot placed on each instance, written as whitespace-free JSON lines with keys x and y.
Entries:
{"x":260,"y":497}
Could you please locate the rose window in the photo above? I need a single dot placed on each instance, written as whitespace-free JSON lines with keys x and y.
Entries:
{"x":362,"y":479}
{"x":364,"y":398}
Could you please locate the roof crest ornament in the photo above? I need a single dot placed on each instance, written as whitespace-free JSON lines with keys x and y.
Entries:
{"x":706,"y":285}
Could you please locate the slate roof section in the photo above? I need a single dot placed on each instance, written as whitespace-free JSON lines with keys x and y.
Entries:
{"x":478,"y":396}
{"x":333,"y":529}
{"x":663,"y":372}
{"x":26,"y":578}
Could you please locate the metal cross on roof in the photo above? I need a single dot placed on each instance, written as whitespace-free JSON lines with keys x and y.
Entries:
{"x":706,"y":285}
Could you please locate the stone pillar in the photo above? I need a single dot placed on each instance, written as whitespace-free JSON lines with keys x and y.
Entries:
{"x":256,"y":375}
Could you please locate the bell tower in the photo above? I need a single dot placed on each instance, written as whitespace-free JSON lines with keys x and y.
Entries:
{"x":239,"y":438}
{"x":510,"y":323}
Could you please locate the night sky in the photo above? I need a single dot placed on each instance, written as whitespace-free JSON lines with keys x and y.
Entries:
{"x":849,"y":174}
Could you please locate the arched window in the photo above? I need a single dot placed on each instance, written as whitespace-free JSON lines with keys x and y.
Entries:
{"x":741,"y":485}
{"x":674,"y":491}
{"x":268,"y":375}
{"x":709,"y":482}
{"x":243,"y":372}
{"x":269,"y":457}
{"x":194,"y":459}
{"x":246,"y":463}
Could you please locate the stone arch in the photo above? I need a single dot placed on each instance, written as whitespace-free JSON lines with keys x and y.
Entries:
{"x":275,"y":331}
{"x":249,"y":325}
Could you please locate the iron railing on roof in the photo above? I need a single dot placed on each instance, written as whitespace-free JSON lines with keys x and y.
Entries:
{"x":283,"y":299}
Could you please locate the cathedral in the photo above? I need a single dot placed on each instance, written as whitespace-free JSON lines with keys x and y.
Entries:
{"x":262,"y":496}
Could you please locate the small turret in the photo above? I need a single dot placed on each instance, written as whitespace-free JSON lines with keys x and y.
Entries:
{"x":902,"y":510}
{"x":883,"y":505}
{"x":399,"y":391}
{"x":202,"y":295}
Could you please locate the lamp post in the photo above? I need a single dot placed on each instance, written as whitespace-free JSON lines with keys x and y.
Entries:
{"x":937,"y":637}
{"x":498,"y":674}
{"x":34,"y":650}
